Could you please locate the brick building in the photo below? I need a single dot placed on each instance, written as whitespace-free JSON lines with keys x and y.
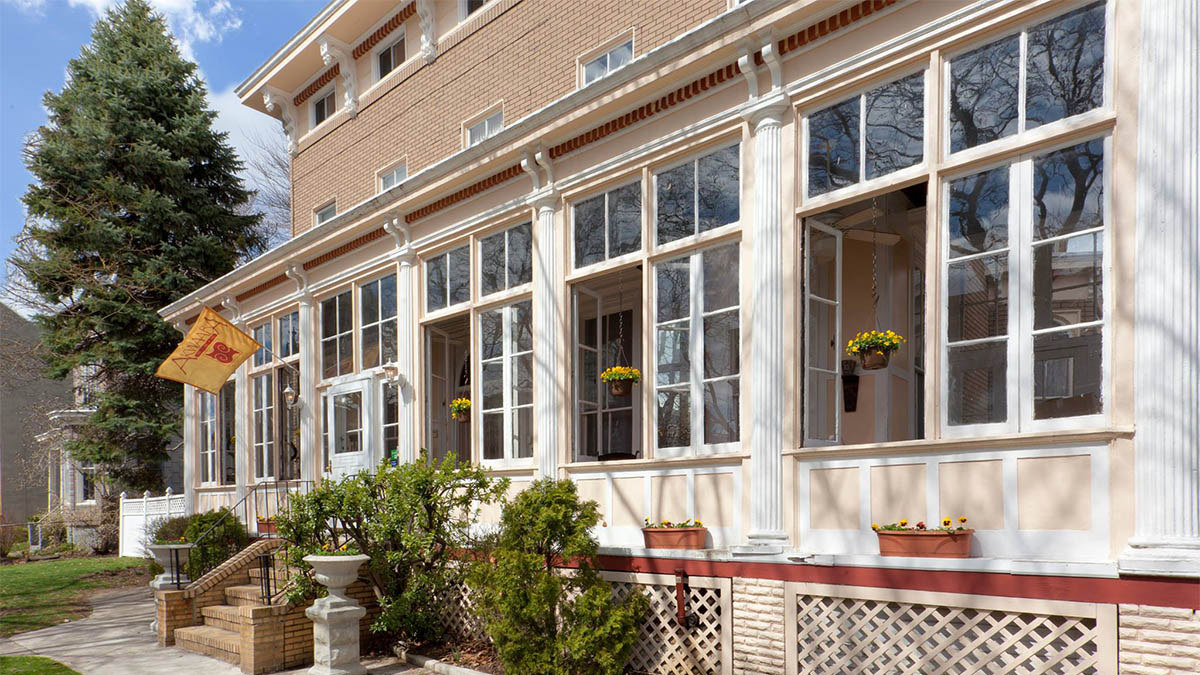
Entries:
{"x":499,"y":200}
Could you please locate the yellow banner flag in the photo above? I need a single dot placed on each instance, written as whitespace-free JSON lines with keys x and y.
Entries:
{"x":209,"y":353}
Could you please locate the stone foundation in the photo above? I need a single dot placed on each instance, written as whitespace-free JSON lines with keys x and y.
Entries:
{"x":758,"y":627}
{"x":1158,"y":640}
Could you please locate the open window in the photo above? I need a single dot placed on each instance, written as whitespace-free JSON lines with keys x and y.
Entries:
{"x":447,"y":377}
{"x":607,"y":332}
{"x":863,"y":271}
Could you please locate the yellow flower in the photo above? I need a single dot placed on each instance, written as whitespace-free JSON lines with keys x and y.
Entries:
{"x":903,"y":523}
{"x":699,"y":524}
{"x":874,"y":526}
{"x":945,"y":522}
{"x":963,"y":520}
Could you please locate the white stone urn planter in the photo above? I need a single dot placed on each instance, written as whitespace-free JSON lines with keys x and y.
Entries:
{"x":336,"y":616}
{"x":173,"y":558}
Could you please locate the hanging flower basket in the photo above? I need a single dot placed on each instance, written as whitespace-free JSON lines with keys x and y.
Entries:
{"x":621,"y":379}
{"x":460,"y":409}
{"x":900,"y":540}
{"x":688,"y":535}
{"x":874,"y":348}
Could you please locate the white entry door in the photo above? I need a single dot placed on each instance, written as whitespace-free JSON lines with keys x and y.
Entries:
{"x":350,"y":438}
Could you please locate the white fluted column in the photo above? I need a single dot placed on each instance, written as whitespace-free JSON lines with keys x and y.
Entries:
{"x":191,"y":455}
{"x":406,"y":315}
{"x":548,"y":398}
{"x":767,"y":350}
{"x":311,"y":455}
{"x":1167,"y":296}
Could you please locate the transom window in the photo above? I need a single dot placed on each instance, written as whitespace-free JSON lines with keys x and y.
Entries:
{"x":506,"y":375}
{"x":485,"y":128}
{"x":1060,"y":62}
{"x":390,"y":57}
{"x":262,"y":335}
{"x":607,"y":62}
{"x":392,"y":178}
{"x":337,"y":335}
{"x":506,"y":259}
{"x":322,"y":108}
{"x":377,"y":309}
{"x":892,"y":120}
{"x":699,"y":195}
{"x":448,"y":279}
{"x":289,"y":335}
{"x":608,"y":225}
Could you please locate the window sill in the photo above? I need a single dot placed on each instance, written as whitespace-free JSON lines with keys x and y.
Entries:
{"x":213,"y":487}
{"x":736,"y":457}
{"x":976,"y":442}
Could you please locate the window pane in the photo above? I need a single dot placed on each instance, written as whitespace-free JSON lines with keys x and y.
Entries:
{"x":345,"y":356}
{"x":522,"y":326}
{"x":387,"y":296}
{"x":833,"y":147}
{"x":978,"y":291}
{"x":979,"y":212}
{"x":674,"y":358}
{"x":523,"y":433}
{"x":391,"y":404}
{"x":370,"y":347}
{"x":983,"y":94}
{"x":329,"y":358}
{"x":345,"y":313}
{"x":821,"y":406}
{"x":823,"y":271}
{"x":329,"y":318}
{"x":674,"y":419}
{"x":620,"y":55}
{"x":676,"y":210}
{"x":720,"y":277}
{"x":595,"y":69}
{"x":1067,"y":276}
{"x":619,"y":432}
{"x":493,"y":436}
{"x":491,"y":264}
{"x":523,"y":379}
{"x":587,"y":376}
{"x":435,"y":283}
{"x":1066,"y":66}
{"x":388,"y":339}
{"x":625,"y":220}
{"x":1067,"y":373}
{"x":674,"y":282}
{"x":587,"y":438}
{"x":719,"y":196}
{"x":459,"y":283}
{"x":721,"y":344}
{"x":385,"y":62}
{"x":821,"y":326}
{"x":1068,"y":190}
{"x":492,"y":375}
{"x":347,"y":411}
{"x":895,"y":125}
{"x":721,"y":423}
{"x":520,"y":255}
{"x":368,"y":301}
{"x":589,"y":231}
{"x":978,"y":393}
{"x":491,"y":334}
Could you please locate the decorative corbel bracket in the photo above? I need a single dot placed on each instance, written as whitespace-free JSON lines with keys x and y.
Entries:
{"x":543,"y":159}
{"x":527,"y":163}
{"x":770,"y":55}
{"x":297,"y":274}
{"x":428,"y":36}
{"x":334,"y":51}
{"x":272,"y":99}
{"x":749,"y":71}
{"x":231,"y":304}
{"x":400,"y":233}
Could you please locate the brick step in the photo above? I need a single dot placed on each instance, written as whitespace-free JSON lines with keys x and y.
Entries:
{"x":210,"y":641}
{"x":246,"y":595}
{"x":225,"y":617}
{"x":281,"y":573}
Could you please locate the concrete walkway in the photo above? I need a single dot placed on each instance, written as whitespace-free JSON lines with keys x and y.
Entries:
{"x":116,"y":640}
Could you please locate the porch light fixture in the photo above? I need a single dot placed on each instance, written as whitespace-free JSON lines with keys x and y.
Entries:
{"x":391,"y":371}
{"x":290,"y":399}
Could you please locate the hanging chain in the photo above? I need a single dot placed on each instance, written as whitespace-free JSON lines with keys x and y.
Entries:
{"x":622,"y":358}
{"x":874,"y":264}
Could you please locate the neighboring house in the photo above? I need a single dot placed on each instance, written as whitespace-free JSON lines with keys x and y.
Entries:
{"x":499,"y":200}
{"x":26,"y":395}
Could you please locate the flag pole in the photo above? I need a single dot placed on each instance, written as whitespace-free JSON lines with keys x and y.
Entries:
{"x":281,"y":361}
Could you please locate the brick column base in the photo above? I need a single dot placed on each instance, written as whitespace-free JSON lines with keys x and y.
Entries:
{"x":1158,"y":640}
{"x":758,"y":627}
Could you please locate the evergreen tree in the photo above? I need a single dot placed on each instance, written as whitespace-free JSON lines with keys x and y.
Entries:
{"x":136,"y":203}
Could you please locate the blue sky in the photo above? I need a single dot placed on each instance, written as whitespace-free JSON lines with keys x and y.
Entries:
{"x":227,"y":38}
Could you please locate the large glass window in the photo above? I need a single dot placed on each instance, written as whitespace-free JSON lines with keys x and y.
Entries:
{"x":1062,"y":68}
{"x":377,"y":309}
{"x":506,"y":259}
{"x":228,"y":433}
{"x":506,"y":381}
{"x":289,"y":335}
{"x":607,"y":62}
{"x":697,"y":347}
{"x":264,"y":426}
{"x":448,"y":279}
{"x":289,"y":422}
{"x":391,"y":56}
{"x":697,"y":196}
{"x":337,"y":335}
{"x":207,"y":433}
{"x":608,"y":225}
{"x":262,"y":335}
{"x":892,"y":120}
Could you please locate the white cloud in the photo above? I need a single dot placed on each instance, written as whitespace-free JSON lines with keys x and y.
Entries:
{"x":245,"y":125}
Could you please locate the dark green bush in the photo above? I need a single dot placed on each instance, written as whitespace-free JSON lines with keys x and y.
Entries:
{"x":170,"y":529}
{"x":219,"y":545}
{"x":545,"y":620}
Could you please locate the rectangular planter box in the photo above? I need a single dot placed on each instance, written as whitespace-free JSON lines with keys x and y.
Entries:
{"x":266,"y":527}
{"x":691,"y":538}
{"x":925,"y":543}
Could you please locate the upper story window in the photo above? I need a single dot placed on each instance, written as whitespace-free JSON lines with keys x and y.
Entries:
{"x":323,"y":107}
{"x":392,"y":177}
{"x":448,"y":279}
{"x":607,"y":62}
{"x":390,"y":57}
{"x":262,"y":335}
{"x":699,"y":195}
{"x":337,"y":335}
{"x":326,"y":213}
{"x":289,"y":335}
{"x":468,"y":7}
{"x":1060,"y":61}
{"x":608,"y":225}
{"x":891,"y":119}
{"x":377,"y":321}
{"x":506,"y":259}
{"x":484,"y":129}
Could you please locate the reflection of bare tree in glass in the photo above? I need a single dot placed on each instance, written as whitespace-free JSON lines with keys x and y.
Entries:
{"x":983,"y":93}
{"x":979,"y":212}
{"x":717,"y":186}
{"x":895,"y":125}
{"x":675,"y":208}
{"x":625,"y":220}
{"x":833,"y":147}
{"x":1067,"y":190}
{"x":1066,"y":66}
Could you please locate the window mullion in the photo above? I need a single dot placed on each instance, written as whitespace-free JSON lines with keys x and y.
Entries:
{"x":1020,"y":377}
{"x":696,"y":349}
{"x":862,"y":138}
{"x":506,"y":453}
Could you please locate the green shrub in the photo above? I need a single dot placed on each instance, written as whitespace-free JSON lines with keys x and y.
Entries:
{"x":170,"y":529}
{"x":542,"y":619}
{"x":413,"y":520}
{"x":219,"y":545}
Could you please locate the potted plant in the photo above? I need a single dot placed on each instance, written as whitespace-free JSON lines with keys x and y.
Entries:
{"x":266,"y":525}
{"x":336,"y":568}
{"x":874,"y":348}
{"x":947,"y":541}
{"x":689,"y":534}
{"x":621,"y":379}
{"x":172,"y":555}
{"x":460,"y":409}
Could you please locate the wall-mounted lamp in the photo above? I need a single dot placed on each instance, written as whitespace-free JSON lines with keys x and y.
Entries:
{"x":290,"y":399}
{"x":391,"y":371}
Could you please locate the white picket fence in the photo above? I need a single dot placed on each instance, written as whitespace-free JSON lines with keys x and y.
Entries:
{"x":138,"y":514}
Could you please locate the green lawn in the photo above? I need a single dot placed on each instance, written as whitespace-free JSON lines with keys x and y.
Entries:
{"x":32,"y":665}
{"x":39,"y":594}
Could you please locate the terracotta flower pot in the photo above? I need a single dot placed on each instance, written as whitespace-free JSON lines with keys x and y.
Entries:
{"x":620,"y":388}
{"x":874,"y":360}
{"x":925,"y":543}
{"x":691,"y":538}
{"x":461,"y":417}
{"x":266,"y":527}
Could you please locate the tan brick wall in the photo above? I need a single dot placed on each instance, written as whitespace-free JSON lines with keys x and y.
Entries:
{"x":526,"y":56}
{"x":1158,"y":640}
{"x":758,"y":627}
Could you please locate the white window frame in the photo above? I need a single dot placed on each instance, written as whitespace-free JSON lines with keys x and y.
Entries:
{"x":398,"y":171}
{"x":338,"y":334}
{"x":609,"y":259}
{"x":397,"y":36}
{"x":361,"y":326}
{"x":807,"y":227}
{"x":696,"y":237}
{"x":579,"y":294}
{"x":318,"y":220}
{"x":329,"y":93}
{"x":450,"y":307}
{"x":491,"y":122}
{"x":605,"y":53}
{"x":285,"y":348}
{"x":263,"y":404}
{"x":1019,"y":380}
{"x":477,"y":270}
{"x":463,"y":14}
{"x":206,"y":436}
{"x":509,"y":407}
{"x":264,"y":335}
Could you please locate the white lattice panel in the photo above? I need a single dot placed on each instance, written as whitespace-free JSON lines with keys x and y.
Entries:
{"x":857,"y":630}
{"x":459,"y":615}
